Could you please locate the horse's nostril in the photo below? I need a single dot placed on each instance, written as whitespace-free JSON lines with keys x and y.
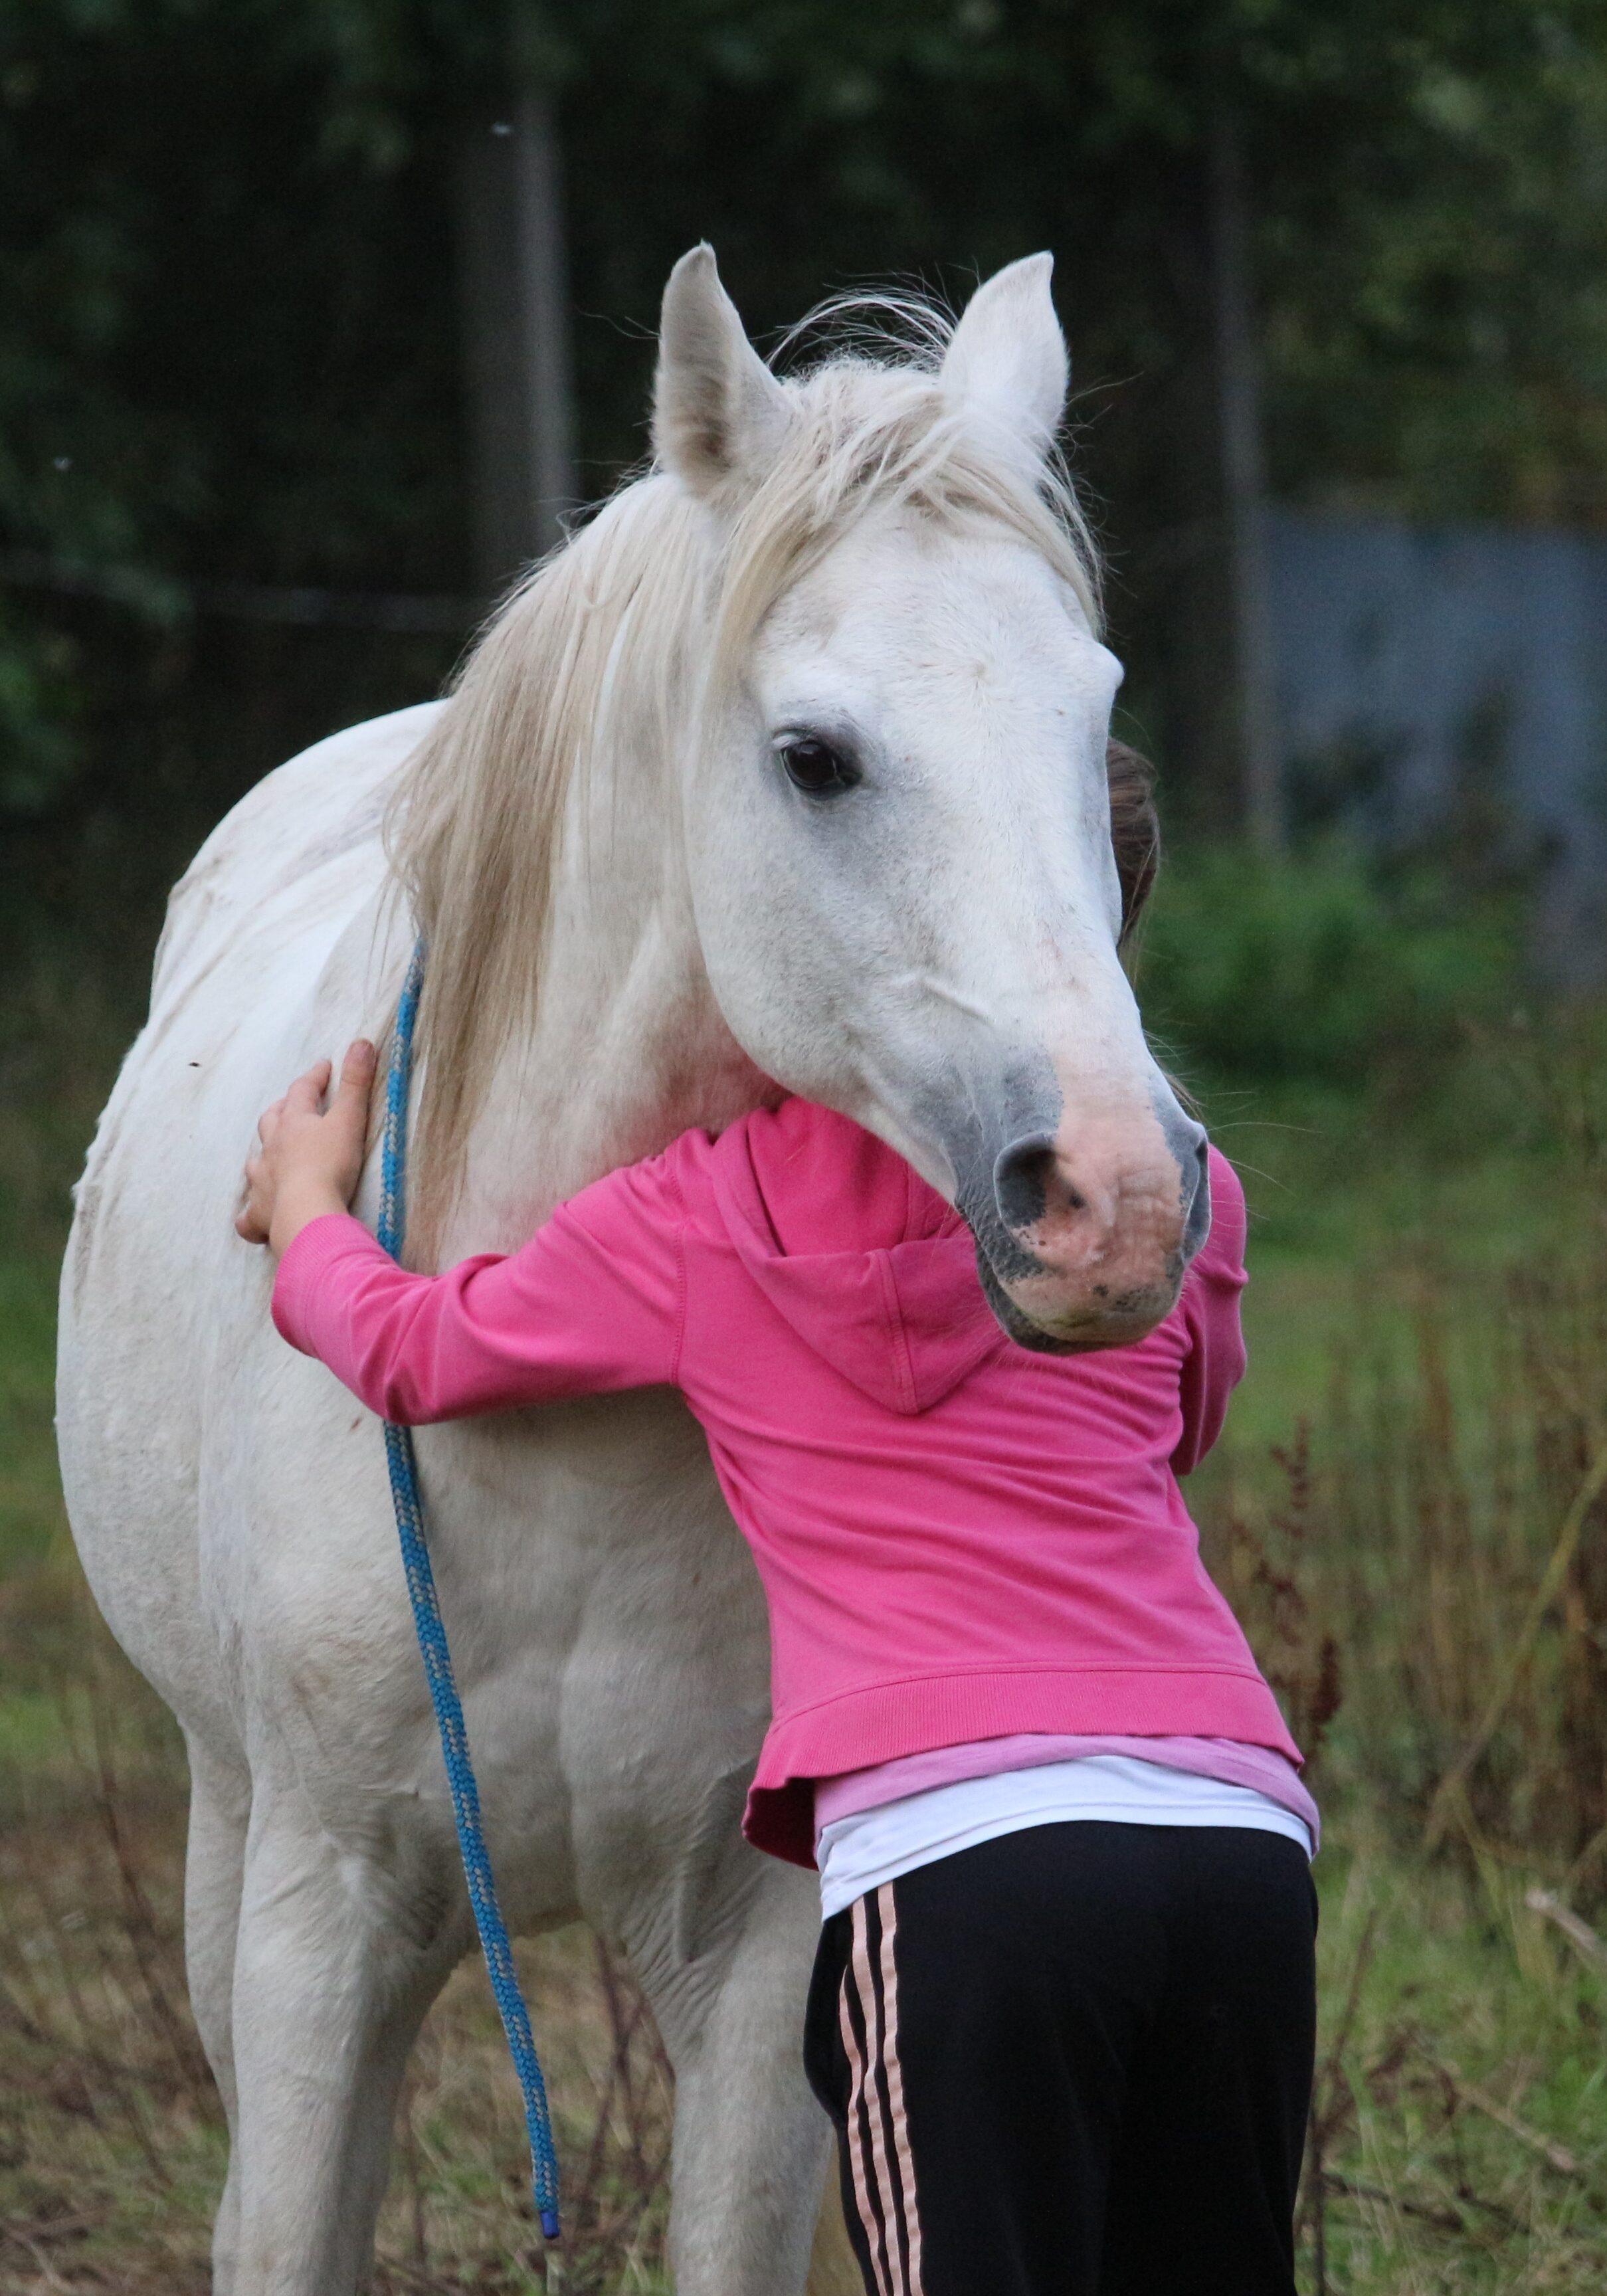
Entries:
{"x":1021,"y":1179}
{"x":1197,"y":1220}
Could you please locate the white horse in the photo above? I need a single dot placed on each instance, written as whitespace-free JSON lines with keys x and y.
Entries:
{"x":787,"y":772}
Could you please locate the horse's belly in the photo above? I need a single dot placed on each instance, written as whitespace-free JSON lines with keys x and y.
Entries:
{"x":605,"y":1615}
{"x":604,"y":1618}
{"x":159,"y":1297}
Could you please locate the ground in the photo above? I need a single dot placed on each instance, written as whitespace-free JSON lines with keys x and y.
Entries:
{"x":1426,"y":1339}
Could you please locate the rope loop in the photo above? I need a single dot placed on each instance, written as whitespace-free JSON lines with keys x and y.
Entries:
{"x":403,"y":1462}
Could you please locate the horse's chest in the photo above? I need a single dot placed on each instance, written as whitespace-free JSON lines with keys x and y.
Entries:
{"x":593,"y":1550}
{"x":605,"y":1615}
{"x":594,"y":1536}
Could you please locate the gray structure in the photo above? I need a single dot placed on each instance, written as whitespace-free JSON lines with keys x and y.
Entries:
{"x":1452,"y":682}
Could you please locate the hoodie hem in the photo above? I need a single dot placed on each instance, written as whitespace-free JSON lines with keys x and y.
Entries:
{"x":887,"y":1720}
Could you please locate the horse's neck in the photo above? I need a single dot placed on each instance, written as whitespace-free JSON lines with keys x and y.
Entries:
{"x":628,"y":1050}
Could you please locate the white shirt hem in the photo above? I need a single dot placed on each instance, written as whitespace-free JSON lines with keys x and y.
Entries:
{"x":859,"y":1853}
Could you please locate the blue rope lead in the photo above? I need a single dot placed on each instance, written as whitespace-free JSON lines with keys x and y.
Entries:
{"x":437,"y":1658}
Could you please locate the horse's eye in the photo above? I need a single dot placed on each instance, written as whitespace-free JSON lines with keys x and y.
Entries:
{"x":814,"y":766}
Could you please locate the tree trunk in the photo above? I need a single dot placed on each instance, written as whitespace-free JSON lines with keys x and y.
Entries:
{"x":1245,"y":489}
{"x":516,"y":337}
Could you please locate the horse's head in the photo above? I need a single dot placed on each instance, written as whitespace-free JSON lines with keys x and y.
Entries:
{"x":897,"y":818}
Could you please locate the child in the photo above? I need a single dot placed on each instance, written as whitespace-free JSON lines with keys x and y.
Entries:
{"x":1063,"y":2012}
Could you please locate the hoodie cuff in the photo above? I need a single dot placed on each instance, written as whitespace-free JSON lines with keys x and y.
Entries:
{"x":321,"y":1244}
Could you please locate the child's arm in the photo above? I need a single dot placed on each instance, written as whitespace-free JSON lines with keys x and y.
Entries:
{"x":593,"y":1302}
{"x":1214,"y":1363}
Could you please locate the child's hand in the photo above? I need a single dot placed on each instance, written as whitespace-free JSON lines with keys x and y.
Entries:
{"x":310,"y":1159}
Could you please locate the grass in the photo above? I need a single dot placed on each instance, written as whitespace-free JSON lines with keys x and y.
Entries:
{"x":1429,"y":1389}
{"x":1460,"y":2125}
{"x":112,"y":2140}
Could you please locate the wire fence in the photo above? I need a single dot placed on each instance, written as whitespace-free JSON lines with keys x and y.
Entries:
{"x":160,"y":597}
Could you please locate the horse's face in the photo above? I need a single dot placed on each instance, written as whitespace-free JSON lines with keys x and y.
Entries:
{"x":923,"y":933}
{"x":905,"y":894}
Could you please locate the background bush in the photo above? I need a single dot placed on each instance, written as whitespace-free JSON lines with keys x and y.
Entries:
{"x":1322,"y":967}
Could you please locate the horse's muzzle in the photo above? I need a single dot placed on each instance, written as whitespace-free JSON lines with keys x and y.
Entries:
{"x":1083,"y":1235}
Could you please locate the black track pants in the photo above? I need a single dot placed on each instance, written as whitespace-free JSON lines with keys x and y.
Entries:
{"x":1074,"y":2061}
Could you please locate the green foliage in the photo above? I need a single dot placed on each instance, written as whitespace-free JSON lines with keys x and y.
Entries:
{"x":228,"y":332}
{"x":37,"y":755}
{"x":1317,"y":969}
{"x":225,"y":352}
{"x":1437,"y":311}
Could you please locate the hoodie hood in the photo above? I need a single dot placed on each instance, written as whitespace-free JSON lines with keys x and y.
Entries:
{"x":870,"y":1266}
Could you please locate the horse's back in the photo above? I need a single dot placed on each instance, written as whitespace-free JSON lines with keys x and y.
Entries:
{"x":161,"y":1302}
{"x":290,"y":856}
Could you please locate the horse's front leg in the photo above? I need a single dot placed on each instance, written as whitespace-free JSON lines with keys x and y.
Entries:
{"x":342,"y":1946}
{"x":220,"y":1807}
{"x":724,"y":1946}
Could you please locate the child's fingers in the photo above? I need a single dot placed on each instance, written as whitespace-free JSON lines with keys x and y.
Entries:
{"x":306,"y":1096}
{"x":299,"y":1137}
{"x":349,"y":1105}
{"x":357,"y":1075}
{"x":250,"y":1221}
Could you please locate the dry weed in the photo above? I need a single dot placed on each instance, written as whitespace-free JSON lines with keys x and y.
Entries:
{"x":113,"y":2146}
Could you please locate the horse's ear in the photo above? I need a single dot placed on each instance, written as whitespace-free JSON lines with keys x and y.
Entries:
{"x":718,"y":412}
{"x":1007,"y":361}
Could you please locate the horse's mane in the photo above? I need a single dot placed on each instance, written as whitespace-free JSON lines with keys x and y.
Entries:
{"x":627,"y":629}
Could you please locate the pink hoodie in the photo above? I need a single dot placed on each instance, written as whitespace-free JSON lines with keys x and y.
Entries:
{"x":959,"y":1539}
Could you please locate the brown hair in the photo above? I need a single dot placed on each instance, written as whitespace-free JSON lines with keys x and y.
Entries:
{"x":1135,"y":831}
